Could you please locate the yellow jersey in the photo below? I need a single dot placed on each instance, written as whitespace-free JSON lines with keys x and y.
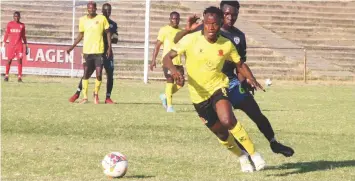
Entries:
{"x":93,"y":30}
{"x":204,"y":63}
{"x":166,"y":35}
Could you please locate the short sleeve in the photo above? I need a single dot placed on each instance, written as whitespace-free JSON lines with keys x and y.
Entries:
{"x":81,"y":25}
{"x":161,"y":35}
{"x":105,"y":23}
{"x":183,"y":44}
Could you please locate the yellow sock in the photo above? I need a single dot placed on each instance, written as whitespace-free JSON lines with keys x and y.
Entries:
{"x":231,"y":145}
{"x":97,"y":86}
{"x":242,"y":136}
{"x":85,"y":84}
{"x":176,"y":88}
{"x":169,"y":93}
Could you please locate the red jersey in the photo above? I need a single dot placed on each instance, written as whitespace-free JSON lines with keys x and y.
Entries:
{"x":15,"y":33}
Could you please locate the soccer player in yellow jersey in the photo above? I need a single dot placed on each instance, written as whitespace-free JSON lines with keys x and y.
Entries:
{"x":91,"y":28}
{"x":166,"y":37}
{"x":206,"y":52}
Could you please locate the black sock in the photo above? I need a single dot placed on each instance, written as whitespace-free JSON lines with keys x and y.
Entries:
{"x":251,"y":108}
{"x":109,"y":84}
{"x":80,"y":87}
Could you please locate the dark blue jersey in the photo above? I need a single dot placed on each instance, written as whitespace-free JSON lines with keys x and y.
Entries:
{"x":238,"y":39}
{"x":113,"y":29}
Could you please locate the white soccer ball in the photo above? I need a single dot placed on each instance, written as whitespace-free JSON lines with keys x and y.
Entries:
{"x":268,"y":82}
{"x":115,"y":164}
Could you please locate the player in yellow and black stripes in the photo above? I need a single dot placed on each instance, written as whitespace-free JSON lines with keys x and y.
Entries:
{"x":206,"y":51}
{"x":166,"y":37}
{"x":91,"y":28}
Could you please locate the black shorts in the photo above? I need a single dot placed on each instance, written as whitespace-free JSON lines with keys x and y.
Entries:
{"x":207,"y":108}
{"x":93,"y":60}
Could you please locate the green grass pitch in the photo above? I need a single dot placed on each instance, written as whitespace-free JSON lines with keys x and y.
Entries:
{"x":44,"y":137}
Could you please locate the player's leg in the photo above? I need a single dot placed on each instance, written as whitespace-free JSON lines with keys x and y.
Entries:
{"x":19,"y":55}
{"x":11,"y":55}
{"x":225,"y":114}
{"x":80,"y":85}
{"x":228,"y":140}
{"x":8,"y":65}
{"x":109,"y":68}
{"x":74,"y":97}
{"x":236,"y":94}
{"x":251,"y":108}
{"x":210,"y":119}
{"x":88,"y":70}
{"x":167,"y":97}
{"x":98,"y":80}
{"x":19,"y":69}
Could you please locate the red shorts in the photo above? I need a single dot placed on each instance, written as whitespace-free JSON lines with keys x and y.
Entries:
{"x":14,"y":52}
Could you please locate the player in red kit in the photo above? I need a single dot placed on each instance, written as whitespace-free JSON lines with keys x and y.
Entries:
{"x":15,"y":33}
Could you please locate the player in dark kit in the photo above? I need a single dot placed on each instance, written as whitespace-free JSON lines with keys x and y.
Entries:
{"x":15,"y":33}
{"x":108,"y":61}
{"x":239,"y":93}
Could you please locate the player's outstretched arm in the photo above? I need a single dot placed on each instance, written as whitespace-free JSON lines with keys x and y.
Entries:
{"x":77,"y":40}
{"x":191,"y":25}
{"x":153,"y":64}
{"x":246,"y":72}
{"x":180,"y":35}
{"x":168,"y":63}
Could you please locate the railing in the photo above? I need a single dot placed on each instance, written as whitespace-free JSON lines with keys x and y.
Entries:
{"x":54,"y":49}
{"x":306,"y":50}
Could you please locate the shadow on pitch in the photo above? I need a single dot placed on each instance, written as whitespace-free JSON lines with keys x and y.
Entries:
{"x":278,"y":110}
{"x":305,"y":167}
{"x":152,"y":103}
{"x":138,"y":176}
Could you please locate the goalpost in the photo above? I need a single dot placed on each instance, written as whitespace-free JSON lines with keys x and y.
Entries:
{"x":146,"y":40}
{"x":73,"y":39}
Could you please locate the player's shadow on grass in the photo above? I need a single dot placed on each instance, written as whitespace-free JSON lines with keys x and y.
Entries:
{"x":305,"y":167}
{"x":138,"y":176}
{"x":278,"y":110}
{"x":153,"y":103}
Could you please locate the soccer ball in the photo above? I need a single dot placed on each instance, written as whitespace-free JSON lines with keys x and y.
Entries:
{"x":115,"y":164}
{"x":268,"y":82}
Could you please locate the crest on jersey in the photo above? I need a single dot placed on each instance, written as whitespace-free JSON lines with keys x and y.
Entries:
{"x":220,"y":52}
{"x":111,"y":25}
{"x":20,"y":26}
{"x":236,"y":40}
